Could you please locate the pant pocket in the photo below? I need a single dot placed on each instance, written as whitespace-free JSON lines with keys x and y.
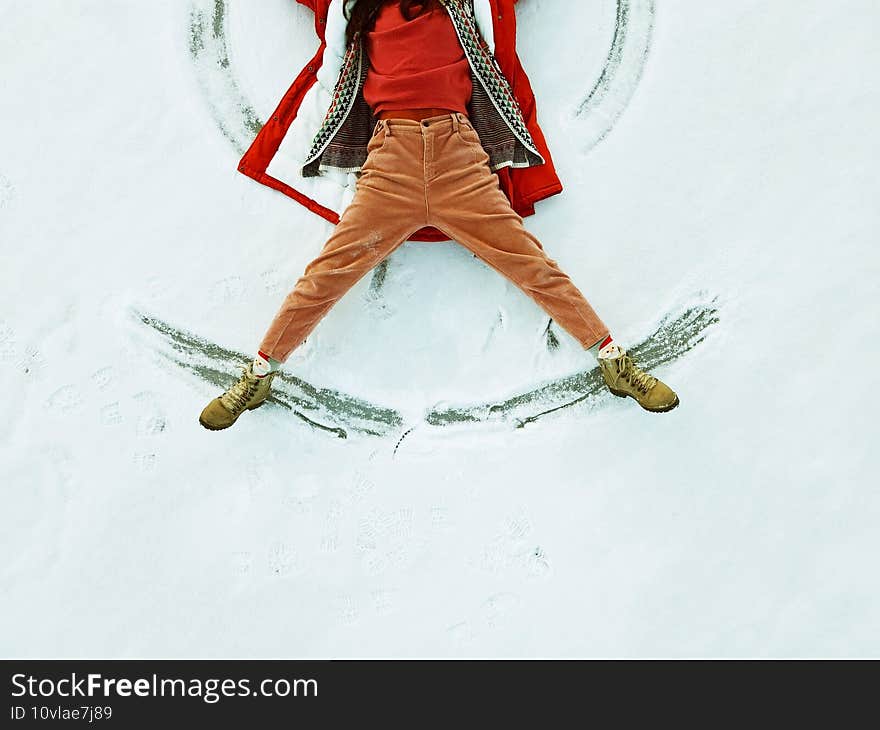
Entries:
{"x":468,"y":135}
{"x":377,"y":143}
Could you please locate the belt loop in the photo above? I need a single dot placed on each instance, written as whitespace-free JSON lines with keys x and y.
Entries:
{"x":455,"y":121}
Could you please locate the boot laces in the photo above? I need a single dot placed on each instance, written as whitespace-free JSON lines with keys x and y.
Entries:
{"x":635,"y":376}
{"x":237,"y":397}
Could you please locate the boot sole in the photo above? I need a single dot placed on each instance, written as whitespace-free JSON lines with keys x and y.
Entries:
{"x":663,"y":409}
{"x":222,"y":428}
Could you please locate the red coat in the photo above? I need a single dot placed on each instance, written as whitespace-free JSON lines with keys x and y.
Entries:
{"x":523,"y":186}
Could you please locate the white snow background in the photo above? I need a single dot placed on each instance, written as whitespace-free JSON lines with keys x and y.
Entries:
{"x":744,"y":523}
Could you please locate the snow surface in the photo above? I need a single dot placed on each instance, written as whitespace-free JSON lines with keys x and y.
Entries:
{"x":745,"y":522}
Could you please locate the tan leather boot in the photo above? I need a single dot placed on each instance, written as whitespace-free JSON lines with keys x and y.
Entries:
{"x":247,"y":393}
{"x":624,"y":378}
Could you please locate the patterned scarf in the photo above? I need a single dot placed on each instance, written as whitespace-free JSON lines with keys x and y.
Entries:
{"x":341,"y":141}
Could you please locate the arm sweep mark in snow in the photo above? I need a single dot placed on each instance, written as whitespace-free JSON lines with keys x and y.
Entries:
{"x":677,"y":333}
{"x":322,"y":408}
{"x":624,"y":64}
{"x":232,"y":112}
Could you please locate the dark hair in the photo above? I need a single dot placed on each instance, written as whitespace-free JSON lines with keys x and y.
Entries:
{"x":363,"y":14}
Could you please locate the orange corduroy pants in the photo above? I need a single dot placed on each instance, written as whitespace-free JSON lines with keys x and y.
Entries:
{"x":433,"y":172}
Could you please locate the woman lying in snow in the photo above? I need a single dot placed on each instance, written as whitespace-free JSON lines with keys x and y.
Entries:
{"x":415,"y":99}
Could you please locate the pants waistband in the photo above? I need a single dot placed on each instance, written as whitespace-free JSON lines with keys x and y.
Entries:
{"x":451,"y":120}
